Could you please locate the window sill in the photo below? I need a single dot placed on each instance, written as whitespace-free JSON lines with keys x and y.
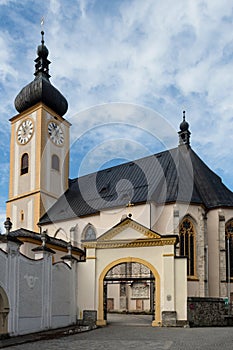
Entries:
{"x":193,"y":278}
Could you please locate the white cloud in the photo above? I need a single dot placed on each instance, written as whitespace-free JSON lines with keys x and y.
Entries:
{"x":164,"y":55}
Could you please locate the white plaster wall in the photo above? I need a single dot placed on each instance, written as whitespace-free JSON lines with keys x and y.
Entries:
{"x":27,"y":206}
{"x":213,"y":248}
{"x":162,"y":219}
{"x":102,"y":222}
{"x":228,"y":213}
{"x":29,"y":294}
{"x":169,"y":283}
{"x":193,"y":289}
{"x":61,"y":295}
{"x":86,"y":276}
{"x":181,"y":291}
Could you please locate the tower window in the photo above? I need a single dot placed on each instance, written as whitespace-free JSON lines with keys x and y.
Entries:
{"x":22,"y":215}
{"x":187,"y":245}
{"x":55,"y":162}
{"x":24,"y":164}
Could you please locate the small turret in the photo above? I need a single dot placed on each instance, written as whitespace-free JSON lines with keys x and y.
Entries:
{"x":184,"y":133}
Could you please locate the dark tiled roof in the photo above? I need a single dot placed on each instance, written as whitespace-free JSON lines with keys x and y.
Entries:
{"x":22,"y":233}
{"x":176,"y":175}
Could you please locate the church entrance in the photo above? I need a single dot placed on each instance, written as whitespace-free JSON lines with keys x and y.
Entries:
{"x":130,"y":288}
{"x":4,"y":311}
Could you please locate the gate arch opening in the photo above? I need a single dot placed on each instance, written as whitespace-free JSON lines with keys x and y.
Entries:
{"x":105,"y":276}
{"x":4,"y":311}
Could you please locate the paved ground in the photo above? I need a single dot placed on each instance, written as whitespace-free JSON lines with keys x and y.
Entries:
{"x":127,"y":332}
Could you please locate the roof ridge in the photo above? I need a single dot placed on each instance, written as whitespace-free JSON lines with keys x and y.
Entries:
{"x":122,"y":164}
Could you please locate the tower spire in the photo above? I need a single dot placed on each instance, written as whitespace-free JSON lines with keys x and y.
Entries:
{"x":42,"y":62}
{"x":184,"y":133}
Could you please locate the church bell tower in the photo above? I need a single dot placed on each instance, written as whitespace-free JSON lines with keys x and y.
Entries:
{"x":39,"y":148}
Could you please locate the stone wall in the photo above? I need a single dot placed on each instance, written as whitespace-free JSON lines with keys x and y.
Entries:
{"x":207,"y":312}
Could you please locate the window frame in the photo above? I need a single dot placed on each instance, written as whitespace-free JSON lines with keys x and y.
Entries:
{"x":187,"y":246}
{"x":24,"y":164}
{"x":229,"y":235}
{"x":55,"y":162}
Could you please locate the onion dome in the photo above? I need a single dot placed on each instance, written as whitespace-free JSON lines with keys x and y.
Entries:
{"x":40,"y":89}
{"x":184,"y":125}
{"x":184,"y":133}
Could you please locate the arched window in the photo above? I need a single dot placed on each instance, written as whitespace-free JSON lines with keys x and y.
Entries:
{"x":55,"y":162}
{"x":24,"y":164}
{"x":229,"y":248}
{"x":61,"y":234}
{"x":21,"y":215}
{"x":89,"y":233}
{"x":187,"y":244}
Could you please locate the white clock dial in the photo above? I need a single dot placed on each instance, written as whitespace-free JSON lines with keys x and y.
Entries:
{"x":25,"y":131}
{"x":55,"y":133}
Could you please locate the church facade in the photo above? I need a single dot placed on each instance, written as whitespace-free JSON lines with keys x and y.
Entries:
{"x":140,"y":250}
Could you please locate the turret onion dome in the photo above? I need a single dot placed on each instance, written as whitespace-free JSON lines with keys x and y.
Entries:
{"x":40,"y":89}
{"x":184,"y":126}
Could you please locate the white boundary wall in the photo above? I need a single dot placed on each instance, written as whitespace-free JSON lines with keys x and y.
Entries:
{"x":41,"y":295}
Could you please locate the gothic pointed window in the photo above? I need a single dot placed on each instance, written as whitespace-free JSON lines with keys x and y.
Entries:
{"x":55,"y":162}
{"x":89,"y":233}
{"x":187,"y":245}
{"x":229,"y":249}
{"x":24,"y":164}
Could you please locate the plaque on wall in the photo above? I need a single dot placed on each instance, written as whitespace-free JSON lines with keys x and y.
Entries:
{"x":140,"y":291}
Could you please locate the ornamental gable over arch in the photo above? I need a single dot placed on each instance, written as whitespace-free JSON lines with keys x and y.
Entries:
{"x":128,"y":234}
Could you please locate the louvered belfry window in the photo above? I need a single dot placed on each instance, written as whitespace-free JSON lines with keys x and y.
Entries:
{"x":187,"y":245}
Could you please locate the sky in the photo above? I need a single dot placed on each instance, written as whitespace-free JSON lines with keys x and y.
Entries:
{"x":128,"y":69}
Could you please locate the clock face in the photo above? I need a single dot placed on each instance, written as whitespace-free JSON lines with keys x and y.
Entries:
{"x":25,"y":131}
{"x":55,"y":133}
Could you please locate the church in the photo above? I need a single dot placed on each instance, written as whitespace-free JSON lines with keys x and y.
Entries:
{"x":143,"y":236}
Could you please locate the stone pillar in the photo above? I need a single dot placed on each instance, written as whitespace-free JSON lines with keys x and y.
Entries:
{"x":13,"y":284}
{"x":45,"y":253}
{"x":71,"y":261}
{"x":91,"y":267}
{"x":222,"y":254}
{"x":169,"y":312}
{"x":74,"y":235}
{"x":176,"y":225}
{"x":200,"y":251}
{"x":12,"y":246}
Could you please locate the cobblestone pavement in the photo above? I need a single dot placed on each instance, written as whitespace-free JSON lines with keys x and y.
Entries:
{"x":136,"y":333}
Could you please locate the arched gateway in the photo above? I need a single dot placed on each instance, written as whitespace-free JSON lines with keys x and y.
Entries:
{"x":155,"y":296}
{"x":132,"y":243}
